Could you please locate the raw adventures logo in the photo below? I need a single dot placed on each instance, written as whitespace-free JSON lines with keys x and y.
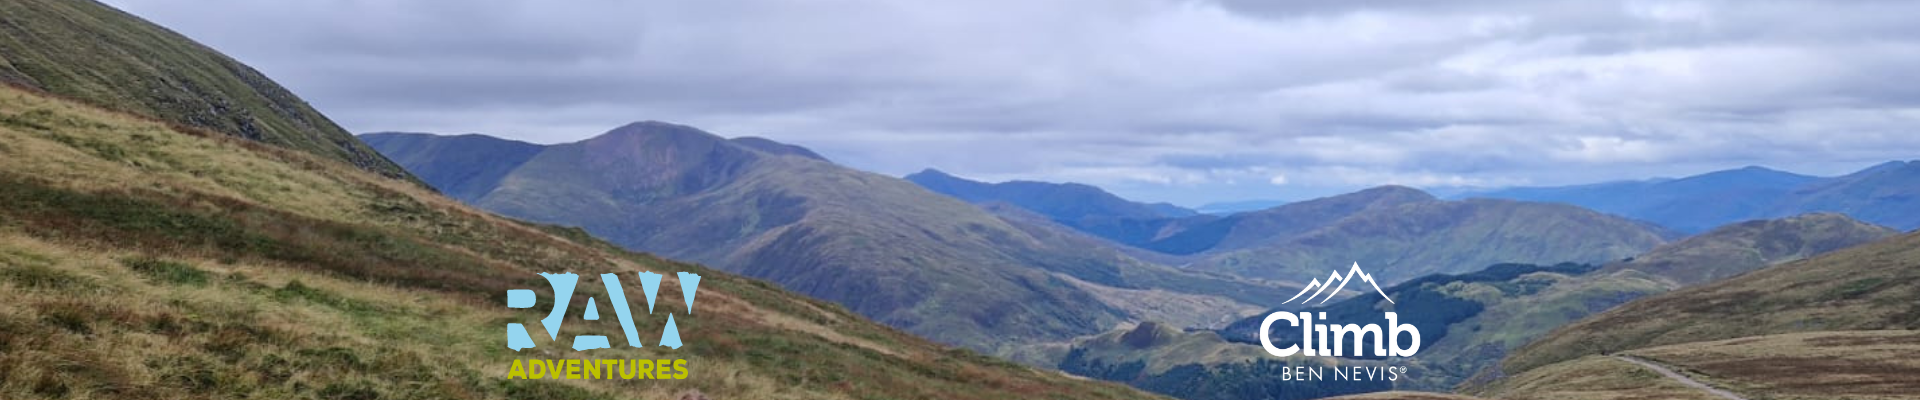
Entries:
{"x":563,"y":285}
{"x":1325,"y":339}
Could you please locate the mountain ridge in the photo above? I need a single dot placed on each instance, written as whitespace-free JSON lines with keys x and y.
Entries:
{"x":879,"y":245}
{"x":149,"y":260}
{"x":1879,"y":194}
{"x":93,"y":53}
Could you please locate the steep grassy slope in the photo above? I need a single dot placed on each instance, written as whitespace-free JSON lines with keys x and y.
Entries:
{"x":1405,"y":240}
{"x":1746,"y":246}
{"x":1867,"y":287}
{"x":85,"y":50}
{"x":141,"y":261}
{"x":882,"y":246}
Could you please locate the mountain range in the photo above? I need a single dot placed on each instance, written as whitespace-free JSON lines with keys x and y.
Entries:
{"x":1398,"y":232}
{"x":882,"y":246}
{"x":177,"y":225}
{"x":1884,"y":194}
{"x":151,"y":247}
{"x":1469,"y":321}
{"x":1838,"y":325}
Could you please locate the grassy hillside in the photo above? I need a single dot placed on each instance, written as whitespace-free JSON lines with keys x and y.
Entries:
{"x":138,"y":260}
{"x":1594,"y":378}
{"x":84,"y":50}
{"x":1808,"y":365}
{"x":1740,"y":247}
{"x":882,"y":246}
{"x":1867,"y":287}
{"x":1827,"y":365}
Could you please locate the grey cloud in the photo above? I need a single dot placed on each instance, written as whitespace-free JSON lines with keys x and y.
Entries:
{"x":1184,"y":100}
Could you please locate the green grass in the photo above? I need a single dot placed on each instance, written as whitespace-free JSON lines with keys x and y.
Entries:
{"x":882,"y":247}
{"x":169,"y":272}
{"x":210,"y":267}
{"x":88,"y":51}
{"x":1871,"y":286}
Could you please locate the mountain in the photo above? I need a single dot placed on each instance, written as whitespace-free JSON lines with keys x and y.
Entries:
{"x":1382,"y":227}
{"x":1061,"y":201}
{"x":463,"y":167}
{"x":87,"y":51}
{"x":1866,"y":287}
{"x":1884,"y":194}
{"x":1470,"y":321}
{"x":1231,"y":207}
{"x":1881,"y":194}
{"x":882,"y":246}
{"x":142,"y":259}
{"x":1082,"y":207}
{"x":1399,"y":234}
{"x":1248,"y":229}
{"x":1745,"y":246}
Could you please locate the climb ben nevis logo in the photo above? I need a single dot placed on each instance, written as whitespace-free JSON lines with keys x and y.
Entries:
{"x":1321,"y":338}
{"x":573,"y":368}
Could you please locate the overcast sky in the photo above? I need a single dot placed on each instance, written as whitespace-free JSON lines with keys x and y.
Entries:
{"x":1183,"y":101}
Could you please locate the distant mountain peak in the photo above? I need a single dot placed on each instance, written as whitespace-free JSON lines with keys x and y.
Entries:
{"x":931,"y":173}
{"x":657,"y":129}
{"x":1395,"y":190}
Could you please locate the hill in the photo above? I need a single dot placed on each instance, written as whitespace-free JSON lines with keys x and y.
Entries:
{"x":1247,"y":229}
{"x":882,"y":246}
{"x":1201,"y":366}
{"x":1411,"y":236}
{"x":1470,"y":321}
{"x":87,"y":51}
{"x":1061,"y":201}
{"x":1082,"y":207}
{"x":143,"y":260}
{"x":463,"y":167}
{"x":1837,"y":365}
{"x":1867,"y":287}
{"x":1881,"y":194}
{"x":1745,"y":246}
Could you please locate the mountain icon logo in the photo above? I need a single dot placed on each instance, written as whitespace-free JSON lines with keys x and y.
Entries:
{"x":1321,"y":287}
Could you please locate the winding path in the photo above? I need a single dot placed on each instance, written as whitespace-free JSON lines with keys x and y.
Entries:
{"x":1682,"y":378}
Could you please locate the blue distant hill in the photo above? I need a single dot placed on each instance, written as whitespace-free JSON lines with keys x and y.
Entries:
{"x":1886,"y":194}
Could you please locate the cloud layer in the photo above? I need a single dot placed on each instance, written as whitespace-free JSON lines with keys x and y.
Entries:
{"x":1189,"y":101}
